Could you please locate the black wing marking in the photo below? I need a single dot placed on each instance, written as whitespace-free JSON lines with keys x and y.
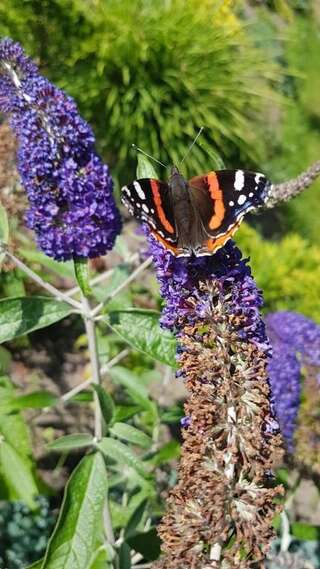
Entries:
{"x":149,"y":200}
{"x":222,"y":198}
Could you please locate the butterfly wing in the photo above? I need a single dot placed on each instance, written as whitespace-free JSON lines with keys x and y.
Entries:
{"x":222,"y":199}
{"x":149,"y":201}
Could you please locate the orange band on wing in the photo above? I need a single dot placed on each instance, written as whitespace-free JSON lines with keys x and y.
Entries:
{"x":215,"y":244}
{"x":217,"y":197}
{"x":160,"y":211}
{"x":166,"y":245}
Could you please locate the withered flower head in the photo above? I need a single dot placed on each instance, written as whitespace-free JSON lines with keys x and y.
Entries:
{"x":220,"y":512}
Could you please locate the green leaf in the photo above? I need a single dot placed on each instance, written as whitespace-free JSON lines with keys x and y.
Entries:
{"x":122,"y":454}
{"x":131,"y":382}
{"x":146,"y":543}
{"x":36,"y":565}
{"x":135,"y":519}
{"x":69,"y":442}
{"x":140,"y":329}
{"x":305,"y":531}
{"x":172,"y":415}
{"x":81,"y":271}
{"x":17,"y":475}
{"x":20,"y":316}
{"x":106,"y":403}
{"x":75,"y":537}
{"x":5,"y":359}
{"x":62,"y":268}
{"x":124,"y":556}
{"x":123,"y":412}
{"x":102,"y":557}
{"x":35,"y":400}
{"x":131,"y":434}
{"x":4,"y":230}
{"x":168,"y":452}
{"x":145,"y":168}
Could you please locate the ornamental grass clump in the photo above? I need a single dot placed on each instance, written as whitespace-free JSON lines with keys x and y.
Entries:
{"x":220,"y":512}
{"x":72,"y":210}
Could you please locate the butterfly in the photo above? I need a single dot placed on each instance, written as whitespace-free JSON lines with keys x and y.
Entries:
{"x":196,"y":216}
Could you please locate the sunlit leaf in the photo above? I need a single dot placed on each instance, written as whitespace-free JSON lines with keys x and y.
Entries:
{"x":17,"y":474}
{"x":106,"y":403}
{"x":70,"y":442}
{"x":35,"y":400}
{"x":122,"y":454}
{"x":301,"y":530}
{"x":132,"y":384}
{"x":140,"y":329}
{"x":74,"y":540}
{"x":131,"y":434}
{"x":20,"y":316}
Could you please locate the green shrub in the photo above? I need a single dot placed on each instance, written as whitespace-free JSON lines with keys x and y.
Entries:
{"x":298,"y":133}
{"x":288,"y":271}
{"x":152,"y":73}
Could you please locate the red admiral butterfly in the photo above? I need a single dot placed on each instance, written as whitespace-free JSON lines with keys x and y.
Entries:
{"x":196,"y":216}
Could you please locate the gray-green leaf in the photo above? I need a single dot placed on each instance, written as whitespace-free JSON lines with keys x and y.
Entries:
{"x":79,"y":526}
{"x":140,"y":328}
{"x":131,"y":434}
{"x":70,"y":442}
{"x":21,"y":315}
{"x":122,"y":454}
{"x":17,"y":474}
{"x":106,"y":403}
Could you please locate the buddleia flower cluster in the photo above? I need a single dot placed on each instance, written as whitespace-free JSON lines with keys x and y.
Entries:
{"x":69,"y":188}
{"x":219,"y":514}
{"x":296,"y":352}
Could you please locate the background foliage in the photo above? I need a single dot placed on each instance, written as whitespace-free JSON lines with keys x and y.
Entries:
{"x":150,"y":73}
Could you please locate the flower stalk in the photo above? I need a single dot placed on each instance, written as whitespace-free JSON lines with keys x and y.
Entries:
{"x":219,"y":515}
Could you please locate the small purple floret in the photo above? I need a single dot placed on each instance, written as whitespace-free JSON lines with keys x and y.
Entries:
{"x":295,"y":343}
{"x":179,"y":279}
{"x":72,"y":209}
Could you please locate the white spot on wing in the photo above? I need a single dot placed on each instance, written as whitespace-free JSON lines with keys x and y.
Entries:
{"x":139,"y":190}
{"x":231,"y":203}
{"x":239,"y":180}
{"x":241,"y":199}
{"x":251,"y":194}
{"x":145,"y":208}
{"x":258,"y":177}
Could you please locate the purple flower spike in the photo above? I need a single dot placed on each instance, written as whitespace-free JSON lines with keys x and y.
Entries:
{"x":295,"y":344}
{"x":72,"y":209}
{"x":231,"y":437}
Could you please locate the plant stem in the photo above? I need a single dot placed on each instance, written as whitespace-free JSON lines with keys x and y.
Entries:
{"x":96,"y":379}
{"x":104,"y":369}
{"x":287,"y":190}
{"x":101,"y":277}
{"x":125,"y":283}
{"x":47,"y":286}
{"x":95,"y":368}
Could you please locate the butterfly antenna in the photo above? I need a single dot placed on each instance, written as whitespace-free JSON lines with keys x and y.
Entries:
{"x":148,"y":155}
{"x":192,"y":145}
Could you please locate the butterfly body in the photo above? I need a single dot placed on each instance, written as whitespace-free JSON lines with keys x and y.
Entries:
{"x":198,"y":216}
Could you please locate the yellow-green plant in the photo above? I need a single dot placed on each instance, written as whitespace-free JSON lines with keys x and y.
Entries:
{"x":288,"y":271}
{"x":152,"y":73}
